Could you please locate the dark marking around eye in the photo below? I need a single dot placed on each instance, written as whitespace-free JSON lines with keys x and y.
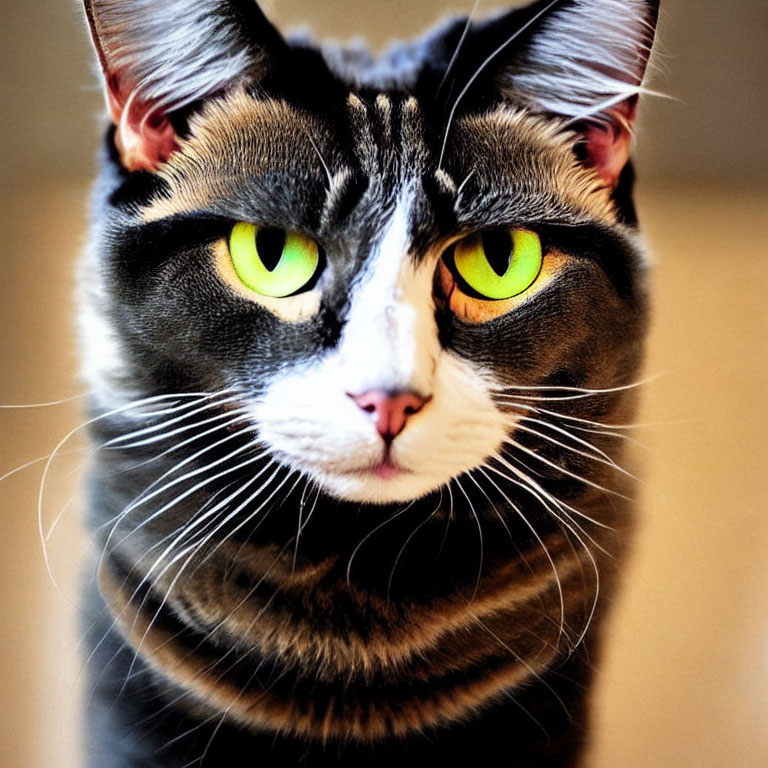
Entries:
{"x":497,"y":244}
{"x":270,"y":242}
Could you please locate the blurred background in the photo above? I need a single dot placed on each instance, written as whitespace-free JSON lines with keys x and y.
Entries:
{"x":684,"y":681}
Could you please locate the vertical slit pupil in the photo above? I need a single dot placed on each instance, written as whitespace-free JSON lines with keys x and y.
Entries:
{"x":497,"y":245}
{"x":270,"y":242}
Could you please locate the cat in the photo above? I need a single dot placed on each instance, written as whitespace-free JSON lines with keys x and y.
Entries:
{"x":362,"y":336}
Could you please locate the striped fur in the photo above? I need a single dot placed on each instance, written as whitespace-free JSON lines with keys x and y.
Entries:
{"x":416,"y":670}
{"x":266,"y":592}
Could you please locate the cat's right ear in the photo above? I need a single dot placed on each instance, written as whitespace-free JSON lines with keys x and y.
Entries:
{"x":161,"y":58}
{"x":580,"y":62}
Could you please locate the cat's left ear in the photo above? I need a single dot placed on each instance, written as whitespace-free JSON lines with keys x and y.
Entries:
{"x":161,"y":58}
{"x":585,"y":60}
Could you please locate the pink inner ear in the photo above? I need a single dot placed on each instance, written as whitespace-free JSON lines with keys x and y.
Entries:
{"x":144,"y":137}
{"x":607,"y":144}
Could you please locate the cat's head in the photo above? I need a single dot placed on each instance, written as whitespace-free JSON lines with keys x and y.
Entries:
{"x":380,"y":267}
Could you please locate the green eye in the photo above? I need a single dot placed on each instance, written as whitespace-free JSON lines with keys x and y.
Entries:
{"x":499,"y":264}
{"x":271,"y":261}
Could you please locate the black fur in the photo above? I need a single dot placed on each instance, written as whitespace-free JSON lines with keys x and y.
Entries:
{"x":183,"y":330}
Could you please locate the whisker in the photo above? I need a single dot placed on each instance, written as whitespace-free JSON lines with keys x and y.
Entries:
{"x":602,"y":457}
{"x":536,"y":535}
{"x":480,"y":69}
{"x":457,"y":50}
{"x":519,"y":658}
{"x":124,"y":440}
{"x":567,"y":433}
{"x":328,"y":174}
{"x":480,"y":534}
{"x":177,"y":536}
{"x":226,"y":712}
{"x":185,"y":734}
{"x":579,"y":420}
{"x":208,"y":509}
{"x":559,"y":509}
{"x":365,"y":538}
{"x":83,"y":425}
{"x":302,"y":524}
{"x":583,"y":390}
{"x":263,"y":504}
{"x":575,"y":530}
{"x":174,"y":449}
{"x":190,"y":524}
{"x":26,"y":465}
{"x":247,"y":596}
{"x":195,"y":547}
{"x":185,"y":494}
{"x":498,"y":514}
{"x":547,"y":398}
{"x":242,"y":602}
{"x":405,"y":545}
{"x":529,"y":484}
{"x":448,"y":517}
{"x":517,"y":394}
{"x":517,"y":446}
{"x":51,"y":404}
{"x":580,"y":424}
{"x":145,"y":496}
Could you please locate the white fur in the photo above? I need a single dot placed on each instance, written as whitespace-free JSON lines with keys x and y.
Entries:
{"x":565,"y":72}
{"x":390,"y":339}
{"x":174,"y":52}
{"x":104,"y":369}
{"x":389,"y":342}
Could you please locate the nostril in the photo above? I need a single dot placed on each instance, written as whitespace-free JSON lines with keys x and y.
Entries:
{"x":390,"y":410}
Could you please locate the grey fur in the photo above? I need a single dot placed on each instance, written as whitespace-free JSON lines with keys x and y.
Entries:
{"x":587,"y":56}
{"x":173,"y":52}
{"x":277,"y":584}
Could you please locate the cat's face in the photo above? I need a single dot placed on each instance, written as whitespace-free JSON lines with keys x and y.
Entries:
{"x":426,"y":261}
{"x":383,"y":310}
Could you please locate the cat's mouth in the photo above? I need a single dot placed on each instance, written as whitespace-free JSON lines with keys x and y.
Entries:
{"x":379,"y":481}
{"x":387,"y":469}
{"x":384,"y":467}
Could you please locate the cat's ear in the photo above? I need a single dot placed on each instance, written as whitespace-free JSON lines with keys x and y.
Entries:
{"x":162,"y":57}
{"x":585,"y":60}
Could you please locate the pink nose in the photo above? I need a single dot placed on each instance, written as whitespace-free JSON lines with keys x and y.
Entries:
{"x":390,"y":411}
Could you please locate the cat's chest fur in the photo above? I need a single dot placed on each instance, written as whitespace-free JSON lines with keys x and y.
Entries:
{"x":361,"y":348}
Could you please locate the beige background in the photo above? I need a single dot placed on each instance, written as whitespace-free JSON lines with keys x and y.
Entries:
{"x":685,"y":680}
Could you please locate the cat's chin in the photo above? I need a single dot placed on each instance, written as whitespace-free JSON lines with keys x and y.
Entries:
{"x":382,"y":485}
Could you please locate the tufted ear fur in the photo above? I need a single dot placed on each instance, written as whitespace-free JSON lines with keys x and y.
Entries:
{"x":162,"y":57}
{"x":585,"y":60}
{"x":580,"y":61}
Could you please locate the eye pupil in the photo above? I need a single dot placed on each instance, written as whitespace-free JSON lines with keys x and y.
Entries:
{"x":496,"y":264}
{"x":497,"y":244}
{"x":270,"y":243}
